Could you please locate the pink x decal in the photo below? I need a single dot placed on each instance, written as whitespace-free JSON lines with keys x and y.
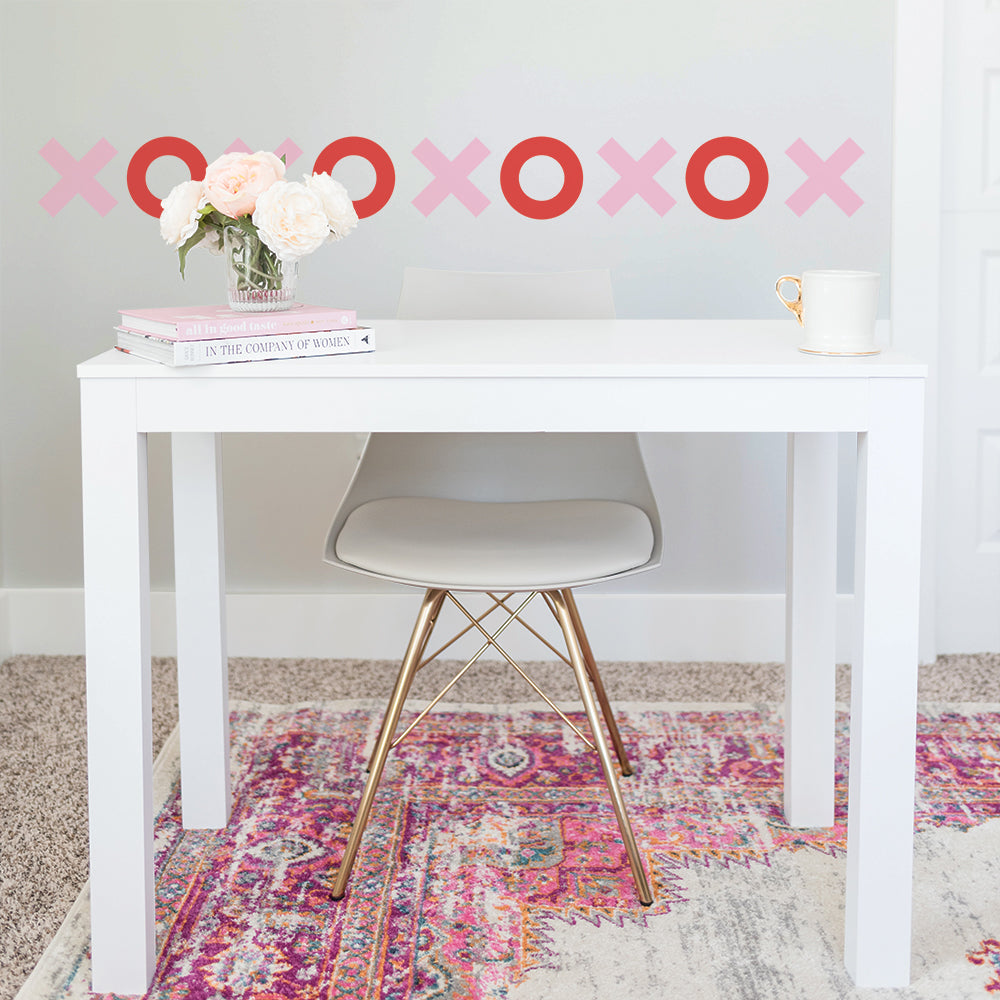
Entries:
{"x":288,"y":148}
{"x":78,"y":177}
{"x":451,"y":177}
{"x":636,"y":177}
{"x":824,"y":177}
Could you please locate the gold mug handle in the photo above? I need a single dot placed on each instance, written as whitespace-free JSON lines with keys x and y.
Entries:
{"x":792,"y":305}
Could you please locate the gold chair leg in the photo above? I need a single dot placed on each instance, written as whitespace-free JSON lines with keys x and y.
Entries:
{"x":562,"y":606}
{"x":421,"y":629}
{"x":420,"y":662}
{"x":595,"y":676}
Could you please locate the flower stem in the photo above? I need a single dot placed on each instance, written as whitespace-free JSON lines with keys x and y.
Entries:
{"x":257,"y":268}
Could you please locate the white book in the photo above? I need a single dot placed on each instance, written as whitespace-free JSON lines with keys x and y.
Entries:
{"x":258,"y":348}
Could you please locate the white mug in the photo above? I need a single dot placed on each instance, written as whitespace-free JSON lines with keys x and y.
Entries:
{"x":836,"y":309}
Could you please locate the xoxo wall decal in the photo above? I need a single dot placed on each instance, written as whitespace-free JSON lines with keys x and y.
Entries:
{"x":451,"y":175}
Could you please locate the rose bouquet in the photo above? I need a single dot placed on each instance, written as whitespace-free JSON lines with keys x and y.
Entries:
{"x":264,"y":223}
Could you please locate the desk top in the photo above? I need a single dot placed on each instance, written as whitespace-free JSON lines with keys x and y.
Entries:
{"x":648,"y":348}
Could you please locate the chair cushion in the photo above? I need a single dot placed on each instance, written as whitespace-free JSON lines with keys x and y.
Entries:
{"x":472,"y":545}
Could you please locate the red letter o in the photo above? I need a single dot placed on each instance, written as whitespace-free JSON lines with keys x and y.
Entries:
{"x":510,"y":177}
{"x":385,"y":172}
{"x":752,"y":160}
{"x":138,"y":166}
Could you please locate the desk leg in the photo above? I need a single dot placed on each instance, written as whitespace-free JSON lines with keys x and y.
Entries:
{"x":202,"y":665}
{"x":119,"y":742}
{"x":884,"y":687}
{"x":810,"y":629}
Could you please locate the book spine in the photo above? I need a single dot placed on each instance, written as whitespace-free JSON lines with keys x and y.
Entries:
{"x":297,"y":345}
{"x":261,"y":324}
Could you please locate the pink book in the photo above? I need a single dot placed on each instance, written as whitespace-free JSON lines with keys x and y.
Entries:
{"x":212,"y":322}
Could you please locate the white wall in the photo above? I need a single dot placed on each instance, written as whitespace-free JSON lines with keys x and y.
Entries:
{"x":400,"y":72}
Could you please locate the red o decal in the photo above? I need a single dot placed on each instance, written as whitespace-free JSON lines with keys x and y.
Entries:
{"x":367,"y":149}
{"x":510,"y":178}
{"x":166,"y":145}
{"x":752,"y":160}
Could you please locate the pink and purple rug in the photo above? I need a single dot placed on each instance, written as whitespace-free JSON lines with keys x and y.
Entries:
{"x":492,"y":866}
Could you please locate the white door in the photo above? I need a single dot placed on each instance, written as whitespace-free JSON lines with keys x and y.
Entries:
{"x":968,"y":464}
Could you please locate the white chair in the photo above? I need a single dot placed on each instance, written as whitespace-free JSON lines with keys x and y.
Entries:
{"x":430,"y":294}
{"x":503,"y":514}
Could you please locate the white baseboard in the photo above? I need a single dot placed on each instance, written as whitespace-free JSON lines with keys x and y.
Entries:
{"x":5,"y":646}
{"x":746,"y":628}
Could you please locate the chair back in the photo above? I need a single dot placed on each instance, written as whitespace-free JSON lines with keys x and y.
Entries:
{"x":430,"y":294}
{"x":502,"y":467}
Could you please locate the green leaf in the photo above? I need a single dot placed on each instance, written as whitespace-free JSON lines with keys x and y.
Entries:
{"x":192,"y":241}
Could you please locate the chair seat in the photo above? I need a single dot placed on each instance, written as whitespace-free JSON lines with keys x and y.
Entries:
{"x":476,"y":545}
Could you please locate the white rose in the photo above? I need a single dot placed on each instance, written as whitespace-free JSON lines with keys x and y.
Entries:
{"x":291,"y":220}
{"x":337,"y":204}
{"x":212,"y":241}
{"x":181,"y":212}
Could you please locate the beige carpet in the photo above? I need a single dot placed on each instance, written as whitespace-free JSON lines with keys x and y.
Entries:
{"x":43,"y":842}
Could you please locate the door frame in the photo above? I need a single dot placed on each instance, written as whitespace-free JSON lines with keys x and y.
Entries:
{"x":915,"y":243}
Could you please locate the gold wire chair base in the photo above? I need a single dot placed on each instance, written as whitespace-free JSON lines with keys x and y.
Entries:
{"x":580,"y":657}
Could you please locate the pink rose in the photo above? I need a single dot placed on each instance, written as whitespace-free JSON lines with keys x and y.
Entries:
{"x":234,"y":181}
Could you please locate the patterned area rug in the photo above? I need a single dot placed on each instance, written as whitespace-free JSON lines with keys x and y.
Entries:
{"x":492,"y":866}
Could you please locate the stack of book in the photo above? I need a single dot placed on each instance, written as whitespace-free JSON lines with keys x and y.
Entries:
{"x":213,"y":335}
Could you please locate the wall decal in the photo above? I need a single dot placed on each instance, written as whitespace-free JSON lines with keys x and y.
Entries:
{"x":138,"y":166}
{"x":381,"y":161}
{"x":559,"y":203}
{"x":636,"y":177}
{"x":824,"y":177}
{"x":450,"y":177}
{"x":287,"y":149}
{"x":720,"y":208}
{"x":78,"y":177}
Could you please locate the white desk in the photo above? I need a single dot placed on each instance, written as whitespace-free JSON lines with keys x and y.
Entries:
{"x":512,"y":376}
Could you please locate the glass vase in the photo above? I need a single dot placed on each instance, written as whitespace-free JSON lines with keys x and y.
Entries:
{"x":256,"y":279}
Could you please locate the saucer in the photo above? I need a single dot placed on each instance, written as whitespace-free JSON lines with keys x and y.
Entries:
{"x":840,"y":354}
